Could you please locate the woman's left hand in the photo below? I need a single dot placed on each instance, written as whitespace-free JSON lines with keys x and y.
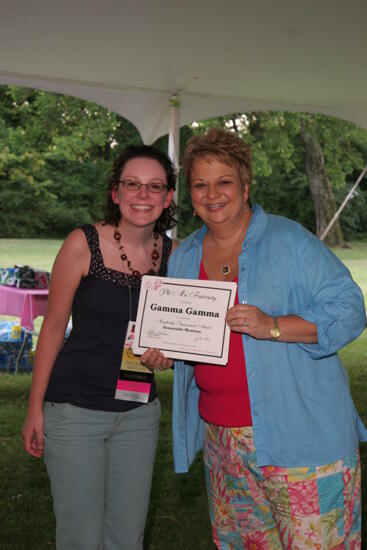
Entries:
{"x":154,"y":360}
{"x":250,"y":320}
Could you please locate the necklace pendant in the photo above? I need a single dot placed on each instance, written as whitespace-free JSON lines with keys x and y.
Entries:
{"x":225,"y":269}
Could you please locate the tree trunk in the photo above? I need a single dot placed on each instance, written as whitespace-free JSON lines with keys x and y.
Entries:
{"x":322,"y":194}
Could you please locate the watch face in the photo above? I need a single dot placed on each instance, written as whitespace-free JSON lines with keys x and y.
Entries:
{"x":275,"y":332}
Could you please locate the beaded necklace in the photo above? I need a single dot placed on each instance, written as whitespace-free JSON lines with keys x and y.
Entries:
{"x":155,"y":254}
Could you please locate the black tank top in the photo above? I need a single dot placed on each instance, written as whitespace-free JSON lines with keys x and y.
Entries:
{"x":87,"y":367}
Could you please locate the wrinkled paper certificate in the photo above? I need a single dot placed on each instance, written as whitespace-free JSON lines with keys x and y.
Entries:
{"x":184,"y":318}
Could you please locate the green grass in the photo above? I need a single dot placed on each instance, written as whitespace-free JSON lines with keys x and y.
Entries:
{"x":37,"y":253}
{"x":355,"y":259}
{"x":178,"y":514}
{"x":41,"y":254}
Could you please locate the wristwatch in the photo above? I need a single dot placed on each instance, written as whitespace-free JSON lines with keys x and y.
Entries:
{"x":275,"y":331}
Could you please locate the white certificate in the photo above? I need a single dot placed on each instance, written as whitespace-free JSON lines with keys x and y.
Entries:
{"x":184,"y":318}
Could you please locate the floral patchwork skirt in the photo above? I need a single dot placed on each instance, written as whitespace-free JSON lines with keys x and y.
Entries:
{"x":278,"y":508}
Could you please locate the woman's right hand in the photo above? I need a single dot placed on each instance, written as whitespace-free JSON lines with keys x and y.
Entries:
{"x":32,"y":434}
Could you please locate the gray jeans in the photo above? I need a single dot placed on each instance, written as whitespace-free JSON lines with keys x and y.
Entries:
{"x":100,"y":466}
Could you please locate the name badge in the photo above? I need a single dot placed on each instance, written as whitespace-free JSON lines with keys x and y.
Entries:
{"x":134,"y":380}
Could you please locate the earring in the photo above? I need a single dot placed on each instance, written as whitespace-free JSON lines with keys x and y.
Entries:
{"x":194,"y":213}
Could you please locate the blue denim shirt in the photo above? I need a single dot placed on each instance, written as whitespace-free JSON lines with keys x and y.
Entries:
{"x":302,"y":410}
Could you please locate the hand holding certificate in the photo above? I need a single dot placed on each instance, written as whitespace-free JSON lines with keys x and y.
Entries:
{"x":184,"y":318}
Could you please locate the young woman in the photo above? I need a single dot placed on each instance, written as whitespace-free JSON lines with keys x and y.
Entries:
{"x":99,"y":450}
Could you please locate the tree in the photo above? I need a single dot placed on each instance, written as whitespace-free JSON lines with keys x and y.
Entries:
{"x":56,"y":152}
{"x":281,"y":183}
{"x":322,"y":194}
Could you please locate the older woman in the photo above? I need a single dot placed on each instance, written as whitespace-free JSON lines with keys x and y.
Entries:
{"x":279,"y":426}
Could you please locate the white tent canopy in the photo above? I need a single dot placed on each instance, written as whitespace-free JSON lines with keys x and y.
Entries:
{"x":218,"y":57}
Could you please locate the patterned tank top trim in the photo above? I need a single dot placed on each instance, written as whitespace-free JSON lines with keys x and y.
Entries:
{"x":99,"y":270}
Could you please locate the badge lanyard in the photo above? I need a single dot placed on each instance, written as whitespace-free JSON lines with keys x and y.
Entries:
{"x":135,"y":380}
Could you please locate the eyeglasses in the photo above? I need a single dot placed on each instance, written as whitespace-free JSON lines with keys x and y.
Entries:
{"x":134,"y":185}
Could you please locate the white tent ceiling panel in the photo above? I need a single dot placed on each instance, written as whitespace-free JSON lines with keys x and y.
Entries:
{"x":220,"y":57}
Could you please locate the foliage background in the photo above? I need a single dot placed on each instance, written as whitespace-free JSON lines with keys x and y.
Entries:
{"x":56,"y":153}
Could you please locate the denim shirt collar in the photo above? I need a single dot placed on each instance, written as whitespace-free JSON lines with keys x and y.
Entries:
{"x":255,"y":232}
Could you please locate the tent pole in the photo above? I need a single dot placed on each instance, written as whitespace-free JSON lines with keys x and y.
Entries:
{"x":341,"y":207}
{"x":174,"y":144}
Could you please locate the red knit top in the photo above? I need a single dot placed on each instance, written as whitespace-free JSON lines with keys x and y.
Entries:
{"x":224,"y":397}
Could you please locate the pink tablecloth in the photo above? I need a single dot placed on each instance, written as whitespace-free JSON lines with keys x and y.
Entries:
{"x":24,"y":303}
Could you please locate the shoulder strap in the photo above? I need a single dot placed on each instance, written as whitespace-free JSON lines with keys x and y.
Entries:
{"x":92,"y":237}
